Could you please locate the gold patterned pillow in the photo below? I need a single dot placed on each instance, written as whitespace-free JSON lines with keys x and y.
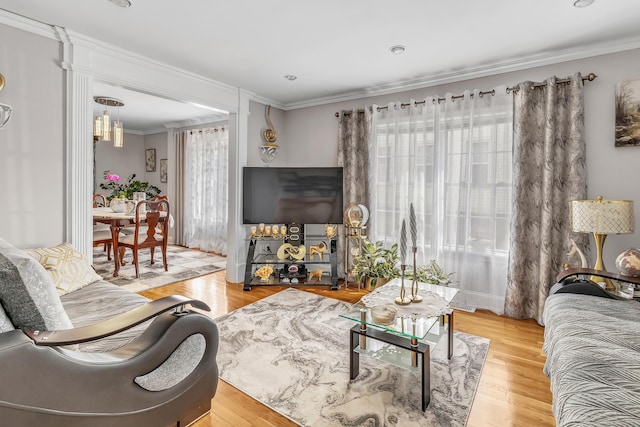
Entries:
{"x":70,"y":269}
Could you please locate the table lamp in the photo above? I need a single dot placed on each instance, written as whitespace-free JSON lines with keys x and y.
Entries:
{"x":602,"y":217}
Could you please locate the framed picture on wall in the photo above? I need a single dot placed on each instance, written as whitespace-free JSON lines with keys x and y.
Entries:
{"x":150,"y":157}
{"x":163,"y":170}
{"x":628,"y":113}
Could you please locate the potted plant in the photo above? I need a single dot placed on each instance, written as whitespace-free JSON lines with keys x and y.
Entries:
{"x":126,"y":190}
{"x":376,"y":264}
{"x":432,"y":273}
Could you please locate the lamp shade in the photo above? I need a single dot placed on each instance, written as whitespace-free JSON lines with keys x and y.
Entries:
{"x":602,"y":216}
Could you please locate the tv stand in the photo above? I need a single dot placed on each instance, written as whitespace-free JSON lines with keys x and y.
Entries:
{"x":263,"y":254}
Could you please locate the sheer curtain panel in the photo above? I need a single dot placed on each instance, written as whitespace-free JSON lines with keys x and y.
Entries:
{"x":206,"y":189}
{"x":451,"y":158}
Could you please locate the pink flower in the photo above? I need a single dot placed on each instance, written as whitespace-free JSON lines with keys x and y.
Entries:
{"x":113,"y":177}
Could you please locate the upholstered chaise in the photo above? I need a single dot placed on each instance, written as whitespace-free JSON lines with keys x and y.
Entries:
{"x":98,"y":355}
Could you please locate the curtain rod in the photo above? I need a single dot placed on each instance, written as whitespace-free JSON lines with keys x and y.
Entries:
{"x":590,"y":77}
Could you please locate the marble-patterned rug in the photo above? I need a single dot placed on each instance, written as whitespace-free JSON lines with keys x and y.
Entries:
{"x":184,"y":263}
{"x":290,"y":351}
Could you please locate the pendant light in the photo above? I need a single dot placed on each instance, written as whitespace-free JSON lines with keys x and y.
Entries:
{"x":102,"y":124}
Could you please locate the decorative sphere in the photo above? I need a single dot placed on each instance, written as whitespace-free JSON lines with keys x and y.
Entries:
{"x":628,"y":262}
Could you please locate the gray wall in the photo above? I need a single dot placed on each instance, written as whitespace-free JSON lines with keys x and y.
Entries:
{"x":122,"y":161}
{"x":32,"y":155}
{"x":159,"y":142}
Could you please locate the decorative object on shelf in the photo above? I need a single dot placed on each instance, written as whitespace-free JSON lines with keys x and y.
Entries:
{"x":102,"y":124}
{"x":254,"y":231}
{"x":602,"y":217}
{"x":355,"y":221}
{"x":320,"y":249}
{"x":127,"y":189}
{"x":330,"y":230}
{"x":403,"y":299}
{"x":317,"y":273}
{"x":383,"y":314}
{"x":627,"y":118}
{"x":287,"y":251}
{"x":5,"y":110}
{"x":413,"y":226}
{"x":269,"y":149}
{"x":264,"y":273}
{"x":628,"y":262}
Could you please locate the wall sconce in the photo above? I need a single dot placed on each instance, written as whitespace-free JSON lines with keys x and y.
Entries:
{"x":5,"y":110}
{"x":269,"y":149}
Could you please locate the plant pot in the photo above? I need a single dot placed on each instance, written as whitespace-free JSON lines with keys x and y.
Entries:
{"x":370,"y":283}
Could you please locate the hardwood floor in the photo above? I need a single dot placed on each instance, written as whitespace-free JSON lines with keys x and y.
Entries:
{"x":513,"y":390}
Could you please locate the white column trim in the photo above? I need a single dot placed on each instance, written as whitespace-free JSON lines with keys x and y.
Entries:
{"x":236,"y":234}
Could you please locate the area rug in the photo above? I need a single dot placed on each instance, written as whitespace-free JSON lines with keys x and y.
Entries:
{"x":290,"y":351}
{"x":184,"y":263}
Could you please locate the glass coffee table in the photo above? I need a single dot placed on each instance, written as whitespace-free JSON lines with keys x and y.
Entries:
{"x":406,"y":337}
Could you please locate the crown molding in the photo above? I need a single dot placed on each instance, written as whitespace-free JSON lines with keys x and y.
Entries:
{"x":518,"y":64}
{"x":28,"y":24}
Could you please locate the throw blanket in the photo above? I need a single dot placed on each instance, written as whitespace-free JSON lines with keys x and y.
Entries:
{"x":593,"y":360}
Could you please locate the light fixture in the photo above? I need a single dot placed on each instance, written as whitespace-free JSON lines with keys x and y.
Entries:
{"x":102,"y":124}
{"x":5,"y":110}
{"x":397,"y":49}
{"x":290,"y":77}
{"x":583,"y":3}
{"x":121,"y":3}
{"x":602,"y":217}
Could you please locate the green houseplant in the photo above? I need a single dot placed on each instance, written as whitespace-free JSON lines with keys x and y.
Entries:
{"x":432,"y":273}
{"x":126,"y":190}
{"x":376,"y":264}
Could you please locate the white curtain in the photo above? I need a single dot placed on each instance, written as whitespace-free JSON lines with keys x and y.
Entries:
{"x":451,"y":158}
{"x":206,"y":189}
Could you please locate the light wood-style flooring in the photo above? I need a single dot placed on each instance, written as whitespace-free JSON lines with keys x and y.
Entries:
{"x":513,"y":390}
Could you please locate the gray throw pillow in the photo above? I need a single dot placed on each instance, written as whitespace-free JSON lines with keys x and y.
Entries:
{"x":28,"y":293}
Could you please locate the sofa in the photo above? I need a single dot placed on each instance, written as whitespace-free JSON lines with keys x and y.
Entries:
{"x":76,"y":350}
{"x":592,"y":343}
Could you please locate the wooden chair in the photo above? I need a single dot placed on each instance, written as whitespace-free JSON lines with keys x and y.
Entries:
{"x":101,"y":232}
{"x":146,"y":233}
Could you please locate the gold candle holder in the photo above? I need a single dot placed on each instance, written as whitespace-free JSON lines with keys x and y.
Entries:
{"x":403,"y":299}
{"x":414,"y":282}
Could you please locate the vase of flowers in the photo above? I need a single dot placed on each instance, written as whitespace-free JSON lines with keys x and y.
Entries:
{"x":126,"y":190}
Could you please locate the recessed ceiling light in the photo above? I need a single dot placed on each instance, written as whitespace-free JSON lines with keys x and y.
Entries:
{"x":397,"y":49}
{"x":121,"y":3}
{"x":290,"y":77}
{"x":583,"y":3}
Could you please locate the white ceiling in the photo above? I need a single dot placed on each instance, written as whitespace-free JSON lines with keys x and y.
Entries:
{"x":340,"y":49}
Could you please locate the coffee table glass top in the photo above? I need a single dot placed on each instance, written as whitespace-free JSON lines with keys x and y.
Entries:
{"x":415,"y":320}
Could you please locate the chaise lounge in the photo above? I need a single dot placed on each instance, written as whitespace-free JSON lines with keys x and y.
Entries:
{"x":98,"y":355}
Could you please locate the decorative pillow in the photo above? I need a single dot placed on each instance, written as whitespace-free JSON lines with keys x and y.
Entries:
{"x":70,"y":269}
{"x":5,"y":322}
{"x":27,"y":292}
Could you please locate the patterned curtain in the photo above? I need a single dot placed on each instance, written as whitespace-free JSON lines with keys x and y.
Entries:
{"x":549,"y":172}
{"x":353,"y":156}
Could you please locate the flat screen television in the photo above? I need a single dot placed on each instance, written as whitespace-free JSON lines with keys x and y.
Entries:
{"x":286,"y":195}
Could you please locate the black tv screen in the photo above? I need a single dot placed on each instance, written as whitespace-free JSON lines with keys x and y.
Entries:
{"x":285,"y":195}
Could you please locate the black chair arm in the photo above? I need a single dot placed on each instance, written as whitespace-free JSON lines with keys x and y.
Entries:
{"x":600,"y":273}
{"x":115,"y":324}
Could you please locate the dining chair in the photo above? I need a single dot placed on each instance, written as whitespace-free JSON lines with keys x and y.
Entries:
{"x":101,"y":232}
{"x":146,"y":233}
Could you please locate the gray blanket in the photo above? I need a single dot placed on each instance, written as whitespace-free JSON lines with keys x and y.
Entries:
{"x":593,"y":360}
